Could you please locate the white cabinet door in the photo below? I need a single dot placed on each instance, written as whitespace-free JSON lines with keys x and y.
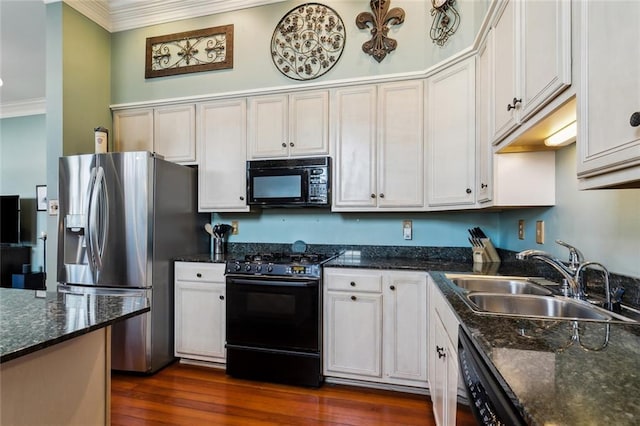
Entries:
{"x":309,"y":123}
{"x":200,"y":320}
{"x":222,"y":156}
{"x":405,"y":327}
{"x":608,"y":145}
{"x":133,"y":130}
{"x":451,"y":136}
{"x":200,"y":316}
{"x":484,"y":157}
{"x":281,"y":126}
{"x":532,"y":61}
{"x":353,"y":334}
{"x":268,"y":121}
{"x":545,"y":52}
{"x":503,"y":118}
{"x":400,"y":145}
{"x":175,"y":133}
{"x":354,"y":179}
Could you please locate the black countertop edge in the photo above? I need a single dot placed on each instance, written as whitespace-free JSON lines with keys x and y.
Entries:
{"x":63,"y":338}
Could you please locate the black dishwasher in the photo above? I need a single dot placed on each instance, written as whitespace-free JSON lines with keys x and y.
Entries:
{"x":488,"y":401}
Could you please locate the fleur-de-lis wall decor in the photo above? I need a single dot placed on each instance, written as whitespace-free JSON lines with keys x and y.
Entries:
{"x":381,"y":19}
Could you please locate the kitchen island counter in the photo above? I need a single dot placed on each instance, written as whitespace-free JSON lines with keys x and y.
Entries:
{"x":56,"y":355}
{"x":34,"y":320}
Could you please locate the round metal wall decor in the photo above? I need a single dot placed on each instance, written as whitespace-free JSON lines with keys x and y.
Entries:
{"x":308,"y":41}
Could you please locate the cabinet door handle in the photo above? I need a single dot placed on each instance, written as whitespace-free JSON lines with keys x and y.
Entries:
{"x":373,"y":195}
{"x":221,"y":297}
{"x":352,"y":283}
{"x":484,"y":185}
{"x":635,"y":119}
{"x":353,"y":298}
{"x":241,"y":198}
{"x":199,"y":275}
{"x":468,"y":191}
{"x":291,"y":144}
{"x":392,"y":287}
{"x":516,"y":101}
{"x":440,"y":351}
{"x":381,"y":195}
{"x":284,"y":145}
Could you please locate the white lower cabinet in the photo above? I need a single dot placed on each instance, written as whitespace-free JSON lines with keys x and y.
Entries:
{"x":375,"y":326}
{"x":443,"y":358}
{"x":200,"y":311}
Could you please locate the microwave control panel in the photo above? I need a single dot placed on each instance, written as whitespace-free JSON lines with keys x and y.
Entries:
{"x":318,"y":184}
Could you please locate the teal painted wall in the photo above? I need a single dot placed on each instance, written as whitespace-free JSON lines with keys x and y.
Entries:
{"x":253,"y":67}
{"x":603,"y":224}
{"x":323,"y":227}
{"x":23,"y":165}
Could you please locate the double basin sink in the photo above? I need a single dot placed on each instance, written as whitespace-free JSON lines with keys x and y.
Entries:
{"x":521,"y":296}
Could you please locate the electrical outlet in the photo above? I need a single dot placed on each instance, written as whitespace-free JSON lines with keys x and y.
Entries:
{"x":53,"y":207}
{"x":407,"y":229}
{"x":521,"y":229}
{"x":540,"y":231}
{"x":234,"y":227}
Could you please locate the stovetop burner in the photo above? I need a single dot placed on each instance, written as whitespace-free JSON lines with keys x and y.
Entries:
{"x":279,"y":264}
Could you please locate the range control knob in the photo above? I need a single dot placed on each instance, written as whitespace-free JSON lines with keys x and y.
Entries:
{"x":247,"y":267}
{"x":270,"y":268}
{"x":236,"y":267}
{"x":258,"y":268}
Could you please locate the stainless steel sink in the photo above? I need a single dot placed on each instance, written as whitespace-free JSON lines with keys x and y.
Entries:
{"x":536,"y":306}
{"x":498,"y":284}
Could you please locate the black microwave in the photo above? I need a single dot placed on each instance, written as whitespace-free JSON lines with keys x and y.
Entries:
{"x":301,"y":182}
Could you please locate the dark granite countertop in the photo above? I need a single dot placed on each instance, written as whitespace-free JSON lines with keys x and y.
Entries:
{"x":556,"y":373}
{"x":29,"y":322}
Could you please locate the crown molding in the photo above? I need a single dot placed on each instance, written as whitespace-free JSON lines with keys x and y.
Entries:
{"x":23,"y":108}
{"x":122,"y":15}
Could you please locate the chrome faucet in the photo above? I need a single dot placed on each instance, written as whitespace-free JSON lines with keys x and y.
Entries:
{"x":607,"y":289}
{"x":569,"y":273}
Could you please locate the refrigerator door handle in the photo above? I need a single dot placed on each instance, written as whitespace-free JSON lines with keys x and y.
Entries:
{"x":104,"y":213}
{"x":87,"y":221}
{"x":94,"y":211}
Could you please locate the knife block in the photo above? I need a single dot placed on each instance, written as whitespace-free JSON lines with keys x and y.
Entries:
{"x":485,"y":254}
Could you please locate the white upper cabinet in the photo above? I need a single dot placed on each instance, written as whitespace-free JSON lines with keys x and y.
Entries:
{"x":174,"y":133}
{"x":168,"y":131}
{"x":133,"y":130}
{"x":609,"y":94}
{"x":484,"y":153}
{"x":222,"y":156}
{"x":451,"y":135}
{"x":531,"y":61}
{"x":379,"y":147}
{"x":289,"y":125}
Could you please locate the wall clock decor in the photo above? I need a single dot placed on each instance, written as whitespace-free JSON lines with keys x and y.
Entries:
{"x":191,"y":51}
{"x":446,"y":20}
{"x":308,"y":41}
{"x":381,"y":19}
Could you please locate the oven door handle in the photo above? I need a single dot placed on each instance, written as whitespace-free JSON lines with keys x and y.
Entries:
{"x":279,"y":283}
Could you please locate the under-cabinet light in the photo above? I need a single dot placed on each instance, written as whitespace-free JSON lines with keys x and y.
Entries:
{"x":564,"y":136}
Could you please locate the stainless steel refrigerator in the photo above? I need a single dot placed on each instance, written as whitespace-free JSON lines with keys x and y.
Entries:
{"x":123,"y":218}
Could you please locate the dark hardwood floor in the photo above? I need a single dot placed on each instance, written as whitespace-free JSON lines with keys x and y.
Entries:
{"x":190,"y":395}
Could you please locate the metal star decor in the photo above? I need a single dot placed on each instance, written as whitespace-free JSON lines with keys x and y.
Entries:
{"x":192,"y":51}
{"x":381,"y":19}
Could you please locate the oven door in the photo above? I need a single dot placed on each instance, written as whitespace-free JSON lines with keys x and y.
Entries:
{"x":273,"y":313}
{"x":277,"y":186}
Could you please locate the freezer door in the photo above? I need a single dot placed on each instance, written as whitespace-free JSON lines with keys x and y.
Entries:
{"x":106,"y":241}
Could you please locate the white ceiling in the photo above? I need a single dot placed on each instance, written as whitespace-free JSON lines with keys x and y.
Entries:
{"x":23,"y":34}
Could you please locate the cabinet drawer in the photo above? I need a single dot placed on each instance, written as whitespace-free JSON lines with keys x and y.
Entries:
{"x":199,"y":271}
{"x":356,"y":280}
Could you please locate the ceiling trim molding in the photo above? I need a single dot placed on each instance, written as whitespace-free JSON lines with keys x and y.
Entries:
{"x":122,"y":15}
{"x":126,"y":14}
{"x":23,"y":108}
